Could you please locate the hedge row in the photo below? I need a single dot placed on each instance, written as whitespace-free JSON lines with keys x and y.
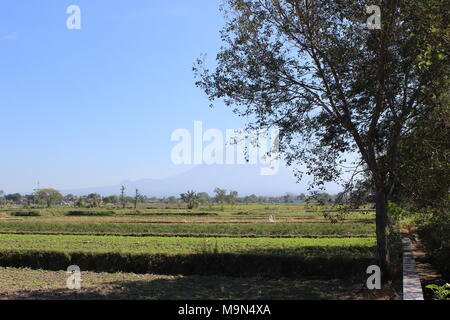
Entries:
{"x":186,"y":235}
{"x":236,"y":265}
{"x":193,"y":229}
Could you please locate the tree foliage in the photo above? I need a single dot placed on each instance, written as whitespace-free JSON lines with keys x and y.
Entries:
{"x":48,"y":196}
{"x":331,"y":85}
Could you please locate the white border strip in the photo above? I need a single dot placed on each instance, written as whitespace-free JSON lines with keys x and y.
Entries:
{"x":412,"y":288}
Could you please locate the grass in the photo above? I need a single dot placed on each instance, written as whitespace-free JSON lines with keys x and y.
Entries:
{"x":183,"y":245}
{"x":162,"y":239}
{"x":194,"y":229}
{"x":238,"y":257}
{"x":241,"y":210}
{"x":41,"y":284}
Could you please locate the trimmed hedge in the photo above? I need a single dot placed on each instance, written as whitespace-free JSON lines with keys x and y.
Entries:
{"x":236,"y":265}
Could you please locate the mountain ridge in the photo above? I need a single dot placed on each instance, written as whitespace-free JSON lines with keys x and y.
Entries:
{"x":246,"y":179}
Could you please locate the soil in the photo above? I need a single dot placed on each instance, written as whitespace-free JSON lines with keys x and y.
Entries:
{"x":428,"y":275}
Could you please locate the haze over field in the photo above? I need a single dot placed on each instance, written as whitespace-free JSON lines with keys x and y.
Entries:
{"x":246,"y":179}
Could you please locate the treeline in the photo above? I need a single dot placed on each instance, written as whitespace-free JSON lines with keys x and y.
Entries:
{"x":51,"y":197}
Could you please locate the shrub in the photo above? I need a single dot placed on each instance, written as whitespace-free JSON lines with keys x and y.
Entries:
{"x":434,"y":229}
{"x":33,"y":213}
{"x":440,"y":292}
{"x":207,"y":263}
{"x":91,"y":213}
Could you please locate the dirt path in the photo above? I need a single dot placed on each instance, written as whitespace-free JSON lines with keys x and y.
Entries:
{"x":428,"y":275}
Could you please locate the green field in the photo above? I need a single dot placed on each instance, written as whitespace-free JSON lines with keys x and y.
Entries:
{"x":237,"y":242}
{"x":235,"y":211}
{"x":256,"y":229}
{"x":182,"y":245}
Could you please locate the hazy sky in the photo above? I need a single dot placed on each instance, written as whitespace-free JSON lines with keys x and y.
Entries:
{"x":97,"y":106}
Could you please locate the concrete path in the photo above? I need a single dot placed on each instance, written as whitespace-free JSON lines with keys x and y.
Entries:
{"x":412,"y":288}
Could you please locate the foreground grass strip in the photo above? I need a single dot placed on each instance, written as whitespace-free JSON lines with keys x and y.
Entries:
{"x":178,"y":245}
{"x":338,"y":258}
{"x":189,"y":229}
{"x":40,"y":284}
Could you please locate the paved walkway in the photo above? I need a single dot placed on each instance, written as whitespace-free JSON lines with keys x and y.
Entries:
{"x":412,"y":287}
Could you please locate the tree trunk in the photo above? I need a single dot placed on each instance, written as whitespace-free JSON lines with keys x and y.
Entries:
{"x":382,"y":230}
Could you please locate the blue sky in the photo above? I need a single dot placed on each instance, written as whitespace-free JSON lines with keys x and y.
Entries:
{"x":96,"y":106}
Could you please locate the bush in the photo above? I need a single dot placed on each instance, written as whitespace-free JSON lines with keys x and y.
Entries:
{"x":237,"y":265}
{"x":91,"y":213}
{"x":33,"y":213}
{"x":434,"y":229}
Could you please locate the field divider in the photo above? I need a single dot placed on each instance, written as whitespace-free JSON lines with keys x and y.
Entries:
{"x":188,"y":235}
{"x":226,"y":264}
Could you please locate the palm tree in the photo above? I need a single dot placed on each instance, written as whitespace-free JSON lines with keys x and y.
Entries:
{"x":191,"y":198}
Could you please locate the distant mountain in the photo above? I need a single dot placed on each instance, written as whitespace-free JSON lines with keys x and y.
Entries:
{"x":246,"y":179}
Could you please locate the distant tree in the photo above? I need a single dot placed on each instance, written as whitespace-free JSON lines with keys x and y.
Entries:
{"x":30,"y":199}
{"x":302,"y":197}
{"x":70,"y":198}
{"x":49,"y":196}
{"x":204,"y":198}
{"x":111,"y":199}
{"x":171,"y":200}
{"x":220,"y":195}
{"x":94,"y":200}
{"x":250,"y":199}
{"x":1,"y":198}
{"x":81,"y":202}
{"x":288,"y":198}
{"x":123,"y":199}
{"x":262,"y":200}
{"x":15,"y":198}
{"x":137,"y":196}
{"x":231,"y":198}
{"x":191,"y":198}
{"x":145,"y":199}
{"x":321,"y":198}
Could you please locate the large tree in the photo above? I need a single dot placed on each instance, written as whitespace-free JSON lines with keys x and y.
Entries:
{"x":314,"y":70}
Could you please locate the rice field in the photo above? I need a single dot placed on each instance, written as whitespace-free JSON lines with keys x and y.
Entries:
{"x":160,"y":242}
